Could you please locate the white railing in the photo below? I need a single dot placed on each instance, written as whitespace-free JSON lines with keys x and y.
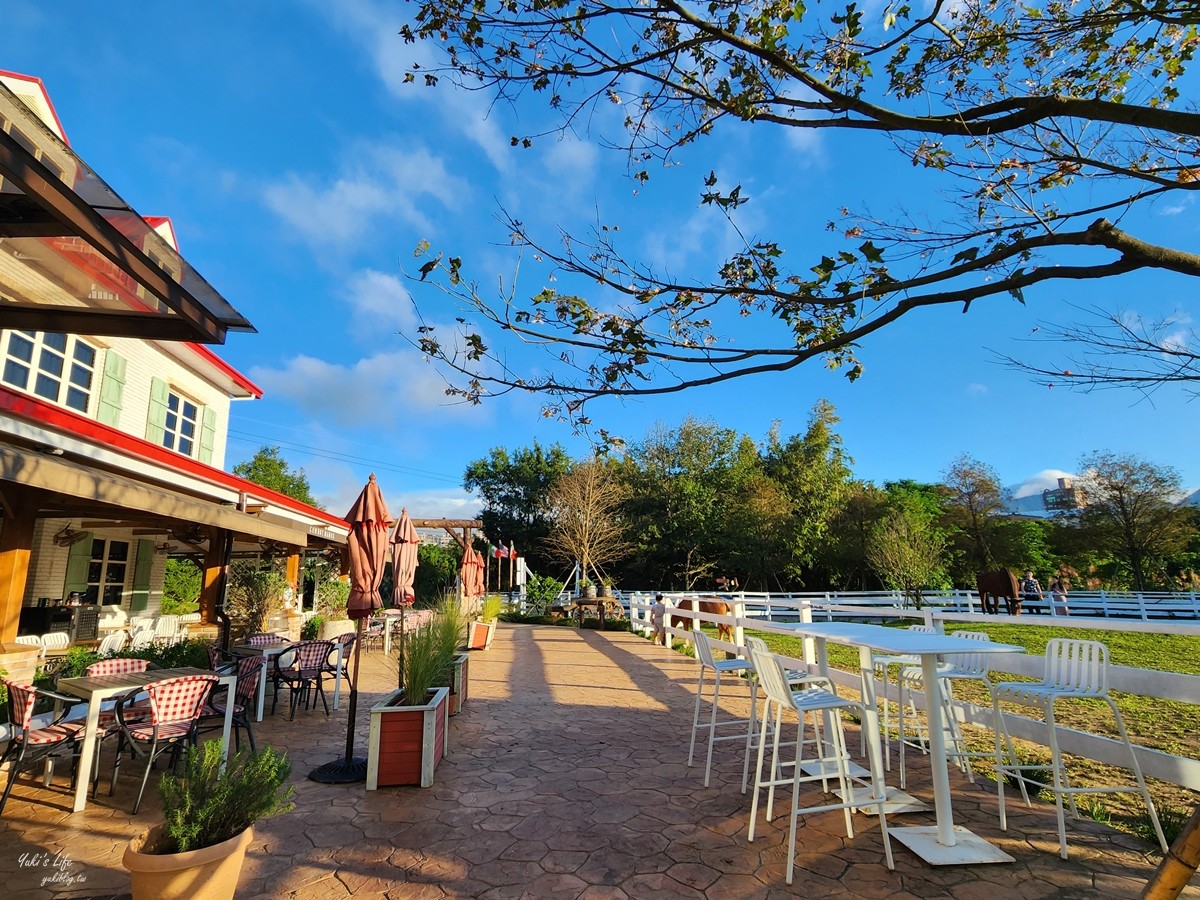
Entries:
{"x":1145,"y":605}
{"x":1178,"y":770}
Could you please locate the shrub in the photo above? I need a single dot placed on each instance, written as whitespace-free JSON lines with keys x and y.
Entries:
{"x":542,"y":592}
{"x":185,"y":654}
{"x":75,"y":663}
{"x":422,"y":659}
{"x":203,"y":807}
{"x":311,"y":629}
{"x":616,"y":625}
{"x":332,"y":597}
{"x":255,"y":593}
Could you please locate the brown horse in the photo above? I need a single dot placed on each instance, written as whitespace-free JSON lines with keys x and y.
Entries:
{"x":714,"y":606}
{"x":994,"y":585}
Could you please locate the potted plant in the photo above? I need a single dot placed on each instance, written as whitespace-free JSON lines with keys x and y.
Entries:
{"x":208,"y":818}
{"x":451,"y":627}
{"x":483,"y":629}
{"x":332,"y":596}
{"x":410,"y":728}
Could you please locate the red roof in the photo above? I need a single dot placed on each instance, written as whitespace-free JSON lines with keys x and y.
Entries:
{"x":74,"y":425}
{"x":31,"y":79}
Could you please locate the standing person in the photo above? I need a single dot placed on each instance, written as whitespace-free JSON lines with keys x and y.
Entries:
{"x":658,"y":611}
{"x":1058,"y":596}
{"x":1031,"y":591}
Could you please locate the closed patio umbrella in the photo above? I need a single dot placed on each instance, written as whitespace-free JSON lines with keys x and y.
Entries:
{"x":367,"y":547}
{"x":404,"y":571}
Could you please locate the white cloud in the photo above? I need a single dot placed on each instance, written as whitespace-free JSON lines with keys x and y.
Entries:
{"x":378,"y":302}
{"x":975,"y":389}
{"x":377,"y":182}
{"x":1047,"y":479}
{"x":807,"y":144}
{"x":385,"y":388}
{"x":374,"y":26}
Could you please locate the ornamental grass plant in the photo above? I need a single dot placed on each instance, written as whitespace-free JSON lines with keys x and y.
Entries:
{"x":203,"y":806}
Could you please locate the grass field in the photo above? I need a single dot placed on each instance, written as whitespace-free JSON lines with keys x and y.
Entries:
{"x":1165,"y":725}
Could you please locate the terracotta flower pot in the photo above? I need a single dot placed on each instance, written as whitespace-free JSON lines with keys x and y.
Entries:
{"x":210,"y":873}
{"x":407,"y":742}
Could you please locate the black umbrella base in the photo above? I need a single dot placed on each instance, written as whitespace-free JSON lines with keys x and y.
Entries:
{"x":340,"y":771}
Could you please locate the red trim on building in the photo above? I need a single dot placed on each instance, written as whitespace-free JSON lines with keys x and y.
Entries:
{"x":37,"y":410}
{"x":238,"y":378}
{"x":33,"y":79}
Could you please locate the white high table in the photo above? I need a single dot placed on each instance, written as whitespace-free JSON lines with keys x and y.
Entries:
{"x":945,"y":843}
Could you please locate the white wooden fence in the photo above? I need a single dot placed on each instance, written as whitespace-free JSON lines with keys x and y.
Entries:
{"x":1178,"y":770}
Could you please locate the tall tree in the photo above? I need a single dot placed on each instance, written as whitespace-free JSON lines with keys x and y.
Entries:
{"x":681,"y":485}
{"x":515,"y":490}
{"x":268,"y":468}
{"x":974,"y":498}
{"x":813,"y":471}
{"x":585,"y":512}
{"x":1050,"y":130}
{"x":906,"y":549}
{"x":845,"y":555}
{"x":1132,"y":510}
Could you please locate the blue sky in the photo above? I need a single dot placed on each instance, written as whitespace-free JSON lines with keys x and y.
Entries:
{"x":301,"y":174}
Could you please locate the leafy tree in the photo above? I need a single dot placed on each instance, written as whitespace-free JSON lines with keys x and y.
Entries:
{"x":585,"y":514}
{"x":182,"y":582}
{"x":974,"y":499}
{"x":813,"y":471}
{"x":437,"y":566}
{"x":1132,"y":511}
{"x":255,"y":592}
{"x":515,"y":491}
{"x":681,"y":484}
{"x":1049,"y":129}
{"x":269,"y":469}
{"x":845,"y":556}
{"x":906,"y":549}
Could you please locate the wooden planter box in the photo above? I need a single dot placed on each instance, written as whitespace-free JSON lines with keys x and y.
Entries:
{"x":479,"y":635}
{"x":458,"y":683}
{"x":407,"y":742}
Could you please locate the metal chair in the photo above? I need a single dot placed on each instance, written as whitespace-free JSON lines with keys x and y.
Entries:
{"x":249,"y":670}
{"x":346,"y":642}
{"x":166,"y":630}
{"x":142,"y":638}
{"x":881,"y":667}
{"x":302,"y":667}
{"x":175,"y":707}
{"x":962,"y":667}
{"x":29,"y":743}
{"x":1075,"y":670}
{"x":107,"y":721}
{"x":814,"y":702}
{"x":704,"y":656}
{"x":264,"y":638}
{"x":56,"y":640}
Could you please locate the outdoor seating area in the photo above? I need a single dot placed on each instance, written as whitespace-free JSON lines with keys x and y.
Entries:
{"x":568,"y":770}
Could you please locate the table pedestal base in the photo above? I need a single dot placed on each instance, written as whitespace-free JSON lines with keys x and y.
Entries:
{"x":969,"y":848}
{"x":829,"y":769}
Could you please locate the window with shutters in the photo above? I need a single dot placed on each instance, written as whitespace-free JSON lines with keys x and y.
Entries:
{"x":57,"y":367}
{"x":106,"y":572}
{"x":182,"y":424}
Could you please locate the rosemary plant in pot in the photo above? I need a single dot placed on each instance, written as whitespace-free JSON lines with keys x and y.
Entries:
{"x":208,"y":818}
{"x":410,"y":727}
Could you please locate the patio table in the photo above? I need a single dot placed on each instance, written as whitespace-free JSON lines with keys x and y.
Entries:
{"x":97,"y":689}
{"x":945,"y":843}
{"x":272,"y":650}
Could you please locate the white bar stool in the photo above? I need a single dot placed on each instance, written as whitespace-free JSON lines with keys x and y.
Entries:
{"x":816,"y":702}
{"x":881,"y":667}
{"x":1074,"y":670}
{"x":964,"y":667}
{"x":704,"y":656}
{"x":795,"y":679}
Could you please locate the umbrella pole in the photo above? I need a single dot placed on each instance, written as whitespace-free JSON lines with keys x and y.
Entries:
{"x":350,"y":769}
{"x":400,"y":654}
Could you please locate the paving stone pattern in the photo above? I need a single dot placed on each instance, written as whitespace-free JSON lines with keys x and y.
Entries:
{"x":566,"y":777}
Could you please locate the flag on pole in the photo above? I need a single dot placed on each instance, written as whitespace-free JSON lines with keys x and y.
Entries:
{"x":512,"y":550}
{"x":500,"y":552}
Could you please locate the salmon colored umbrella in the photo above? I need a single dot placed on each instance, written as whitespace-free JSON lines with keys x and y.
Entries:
{"x":479,"y":587}
{"x":367,"y":548}
{"x":404,"y":560}
{"x":466,"y":572}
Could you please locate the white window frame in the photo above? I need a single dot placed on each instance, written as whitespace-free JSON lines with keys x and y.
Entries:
{"x":106,"y":561}
{"x":175,"y":426}
{"x":73,"y":386}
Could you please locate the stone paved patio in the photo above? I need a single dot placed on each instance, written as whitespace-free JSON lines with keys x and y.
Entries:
{"x":566,"y":778}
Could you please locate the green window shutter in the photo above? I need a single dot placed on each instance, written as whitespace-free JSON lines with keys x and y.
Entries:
{"x":156,"y":417}
{"x":78,"y":559}
{"x":141,"y":576}
{"x":112,"y":389}
{"x":208,"y":434}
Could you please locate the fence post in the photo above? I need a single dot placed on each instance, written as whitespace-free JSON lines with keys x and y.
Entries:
{"x":739,"y":610}
{"x":1142,"y":605}
{"x":810,"y":651}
